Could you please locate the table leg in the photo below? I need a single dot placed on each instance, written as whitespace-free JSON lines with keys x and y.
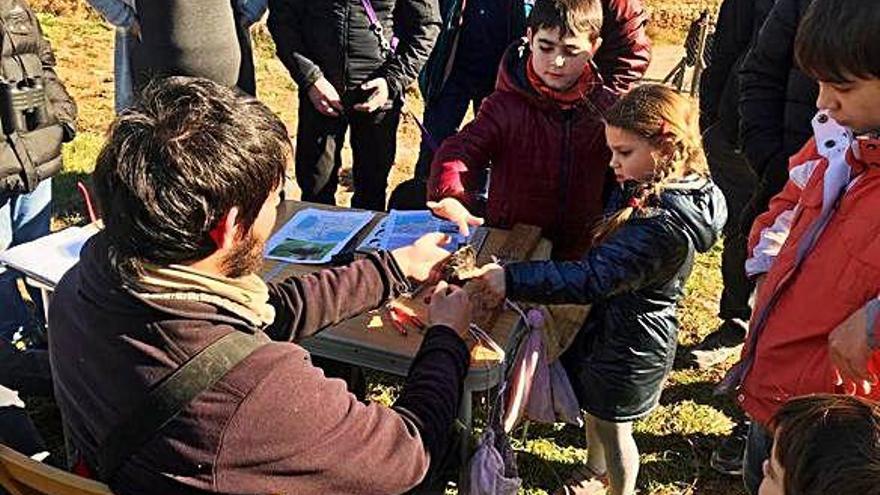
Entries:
{"x":466,"y":417}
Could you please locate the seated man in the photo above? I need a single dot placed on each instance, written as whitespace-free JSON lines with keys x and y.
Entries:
{"x":189,"y":181}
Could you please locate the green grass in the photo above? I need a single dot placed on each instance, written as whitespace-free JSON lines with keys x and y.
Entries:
{"x":675,"y":440}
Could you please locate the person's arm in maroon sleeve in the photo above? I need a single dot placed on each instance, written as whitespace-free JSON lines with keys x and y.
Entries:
{"x":458,"y":164}
{"x":625,"y":53}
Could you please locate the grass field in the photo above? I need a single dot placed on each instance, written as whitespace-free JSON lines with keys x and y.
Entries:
{"x":675,"y":441}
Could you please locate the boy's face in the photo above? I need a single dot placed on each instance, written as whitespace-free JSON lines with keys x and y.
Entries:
{"x":854,"y":104}
{"x":772,"y":484}
{"x":559,"y":60}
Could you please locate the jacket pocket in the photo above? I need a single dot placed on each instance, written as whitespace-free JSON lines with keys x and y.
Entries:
{"x":860,"y":270}
{"x":26,"y":158}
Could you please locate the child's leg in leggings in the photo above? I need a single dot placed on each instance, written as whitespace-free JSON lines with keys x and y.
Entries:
{"x":621,"y":454}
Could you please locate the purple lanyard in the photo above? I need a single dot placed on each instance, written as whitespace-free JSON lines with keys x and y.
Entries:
{"x":385,"y":46}
{"x":388,"y":48}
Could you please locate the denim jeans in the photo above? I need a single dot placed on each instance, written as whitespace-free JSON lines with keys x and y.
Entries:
{"x":23,"y":218}
{"x":758,"y":447}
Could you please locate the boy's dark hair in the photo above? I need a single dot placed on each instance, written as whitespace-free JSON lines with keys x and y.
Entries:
{"x":177,"y":162}
{"x":829,"y":444}
{"x":838,"y":40}
{"x":575,"y":17}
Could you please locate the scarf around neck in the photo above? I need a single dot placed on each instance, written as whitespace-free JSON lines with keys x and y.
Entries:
{"x":246,"y":296}
{"x":578,"y":92}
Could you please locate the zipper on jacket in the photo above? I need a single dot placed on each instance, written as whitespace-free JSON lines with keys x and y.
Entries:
{"x":564,"y":167}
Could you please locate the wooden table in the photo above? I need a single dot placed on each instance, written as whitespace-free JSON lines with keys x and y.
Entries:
{"x":371,"y":341}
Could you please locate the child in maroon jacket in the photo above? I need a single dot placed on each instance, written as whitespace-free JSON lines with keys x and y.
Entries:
{"x":541,"y":132}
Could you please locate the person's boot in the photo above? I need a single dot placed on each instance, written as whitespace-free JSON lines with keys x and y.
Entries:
{"x":727,"y":458}
{"x":721,"y":344}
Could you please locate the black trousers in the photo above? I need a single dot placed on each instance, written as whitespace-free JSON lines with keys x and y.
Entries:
{"x":319,"y":142}
{"x":738,"y":182}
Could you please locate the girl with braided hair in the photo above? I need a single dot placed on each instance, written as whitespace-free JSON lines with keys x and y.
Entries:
{"x":665,"y":209}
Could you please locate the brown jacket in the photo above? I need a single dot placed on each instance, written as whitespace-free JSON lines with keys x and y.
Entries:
{"x":274,"y":423}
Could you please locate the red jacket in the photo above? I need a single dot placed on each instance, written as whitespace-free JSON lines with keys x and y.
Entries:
{"x":839,"y":276}
{"x":549,"y":166}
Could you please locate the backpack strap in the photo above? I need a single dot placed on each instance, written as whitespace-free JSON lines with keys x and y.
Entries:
{"x":172,"y":395}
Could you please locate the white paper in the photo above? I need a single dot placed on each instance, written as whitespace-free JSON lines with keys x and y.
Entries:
{"x":402,"y":228}
{"x":313,"y":236}
{"x":48,"y":258}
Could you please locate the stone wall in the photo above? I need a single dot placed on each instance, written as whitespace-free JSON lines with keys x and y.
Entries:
{"x":676,"y":15}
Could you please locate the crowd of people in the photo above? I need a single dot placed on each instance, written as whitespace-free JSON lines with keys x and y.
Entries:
{"x":178,"y":369}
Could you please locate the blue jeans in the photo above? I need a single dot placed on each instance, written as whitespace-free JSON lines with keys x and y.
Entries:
{"x":23,"y":218}
{"x":758,"y":449}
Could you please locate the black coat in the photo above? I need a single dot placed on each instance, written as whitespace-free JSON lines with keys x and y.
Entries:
{"x":633,"y":279}
{"x":777,"y":100}
{"x":25,"y":54}
{"x":735,"y":30}
{"x":332,"y":38}
{"x":206,"y":39}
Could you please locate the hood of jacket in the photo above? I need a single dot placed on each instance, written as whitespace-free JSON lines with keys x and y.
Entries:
{"x":513,"y":78}
{"x":698,"y":206}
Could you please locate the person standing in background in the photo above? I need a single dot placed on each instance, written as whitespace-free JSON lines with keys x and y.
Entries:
{"x":352,"y":66}
{"x":206,"y":39}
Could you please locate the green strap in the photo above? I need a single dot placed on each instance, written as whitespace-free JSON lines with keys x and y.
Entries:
{"x":171,"y":395}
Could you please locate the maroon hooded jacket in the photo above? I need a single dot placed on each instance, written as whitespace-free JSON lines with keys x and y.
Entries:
{"x":549,"y":164}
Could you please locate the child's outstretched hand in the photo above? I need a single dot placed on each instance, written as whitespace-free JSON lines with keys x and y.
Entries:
{"x":451,"y":209}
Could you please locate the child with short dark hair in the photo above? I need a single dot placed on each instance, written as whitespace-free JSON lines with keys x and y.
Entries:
{"x":816,"y":253}
{"x":540,"y":131}
{"x":824,"y":444}
{"x":664,"y":210}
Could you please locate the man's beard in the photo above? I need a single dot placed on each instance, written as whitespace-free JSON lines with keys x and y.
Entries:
{"x":245,"y":258}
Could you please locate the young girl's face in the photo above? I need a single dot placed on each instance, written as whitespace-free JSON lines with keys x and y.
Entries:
{"x":632,"y":156}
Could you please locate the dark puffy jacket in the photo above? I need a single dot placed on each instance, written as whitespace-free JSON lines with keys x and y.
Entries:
{"x":633,"y":279}
{"x":207,"y":39}
{"x":622,"y":59}
{"x":735,"y":30}
{"x":332,"y":38}
{"x":30,"y":155}
{"x":777,"y":100}
{"x":549,"y":165}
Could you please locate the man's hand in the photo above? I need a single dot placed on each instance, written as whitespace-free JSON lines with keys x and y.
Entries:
{"x":451,"y":209}
{"x":325,"y":98}
{"x":492,"y":278}
{"x":451,"y":307}
{"x":851,"y":355}
{"x":419,"y":260}
{"x":379,"y":94}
